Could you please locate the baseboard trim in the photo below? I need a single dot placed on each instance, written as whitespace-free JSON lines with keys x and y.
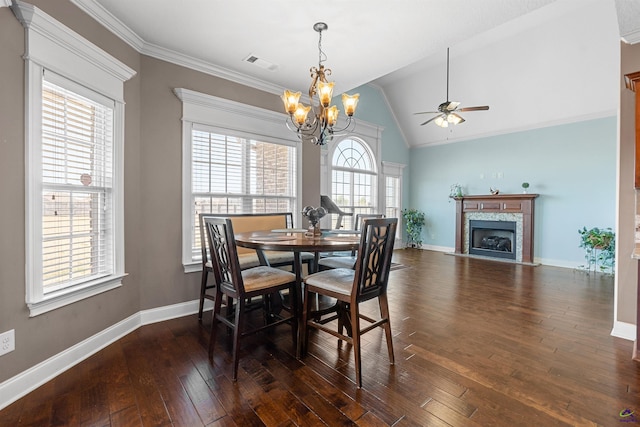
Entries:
{"x":25,"y":382}
{"x":624,"y":330}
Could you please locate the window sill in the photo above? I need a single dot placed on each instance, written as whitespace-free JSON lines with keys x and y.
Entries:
{"x":66,"y":297}
{"x":192,"y":267}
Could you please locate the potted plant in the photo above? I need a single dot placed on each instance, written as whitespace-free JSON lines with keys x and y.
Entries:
{"x":525,"y":185}
{"x":600,"y":247}
{"x":413,"y":222}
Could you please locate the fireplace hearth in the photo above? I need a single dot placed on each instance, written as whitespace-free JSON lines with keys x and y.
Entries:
{"x":507,"y":232}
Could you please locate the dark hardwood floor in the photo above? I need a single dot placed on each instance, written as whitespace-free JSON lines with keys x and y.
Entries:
{"x":477,"y":343}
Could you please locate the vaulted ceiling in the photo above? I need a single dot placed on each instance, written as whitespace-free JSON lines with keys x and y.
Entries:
{"x":368,"y":41}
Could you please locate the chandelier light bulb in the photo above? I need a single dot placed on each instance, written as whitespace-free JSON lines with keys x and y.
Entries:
{"x":301,"y":113}
{"x":290,"y":100}
{"x":350,"y":102}
{"x":325,"y":93}
{"x":332,"y":115}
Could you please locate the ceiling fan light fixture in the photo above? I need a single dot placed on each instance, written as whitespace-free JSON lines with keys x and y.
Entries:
{"x":454,"y":119}
{"x":441,"y":121}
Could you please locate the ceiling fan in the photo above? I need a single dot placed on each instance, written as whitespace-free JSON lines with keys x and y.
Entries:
{"x":448,"y":111}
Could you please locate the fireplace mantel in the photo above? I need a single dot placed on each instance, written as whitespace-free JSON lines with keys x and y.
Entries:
{"x":499,"y":203}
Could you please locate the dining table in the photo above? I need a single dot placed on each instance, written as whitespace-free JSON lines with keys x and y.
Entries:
{"x":298,"y":241}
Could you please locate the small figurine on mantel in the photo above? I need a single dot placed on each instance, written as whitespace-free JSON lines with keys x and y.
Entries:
{"x":456,"y":191}
{"x":494,"y":191}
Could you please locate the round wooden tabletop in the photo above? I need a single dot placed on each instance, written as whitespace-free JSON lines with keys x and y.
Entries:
{"x":294,"y":240}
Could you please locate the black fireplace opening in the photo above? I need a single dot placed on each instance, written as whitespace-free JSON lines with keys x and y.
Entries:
{"x":492,"y":238}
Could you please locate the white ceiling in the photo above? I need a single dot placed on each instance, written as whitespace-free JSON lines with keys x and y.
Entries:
{"x":377,"y":41}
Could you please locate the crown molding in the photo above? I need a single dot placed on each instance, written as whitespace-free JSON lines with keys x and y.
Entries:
{"x":209,"y":68}
{"x":110,"y":22}
{"x":117,"y":27}
{"x":632,"y":37}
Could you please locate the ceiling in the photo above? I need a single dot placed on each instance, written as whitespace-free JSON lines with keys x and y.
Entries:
{"x":367,"y":40}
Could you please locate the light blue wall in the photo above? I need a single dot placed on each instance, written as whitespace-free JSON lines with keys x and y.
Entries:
{"x":373,"y":108}
{"x":572,"y":167}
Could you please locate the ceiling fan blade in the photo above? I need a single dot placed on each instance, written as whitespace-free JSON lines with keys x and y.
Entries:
{"x":431,"y":119}
{"x":451,"y":105}
{"x":428,"y":112}
{"x":482,"y":108}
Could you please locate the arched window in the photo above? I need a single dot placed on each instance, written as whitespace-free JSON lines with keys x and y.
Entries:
{"x":353,"y":179}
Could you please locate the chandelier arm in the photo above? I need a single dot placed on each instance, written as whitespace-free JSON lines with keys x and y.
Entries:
{"x":347,"y":128}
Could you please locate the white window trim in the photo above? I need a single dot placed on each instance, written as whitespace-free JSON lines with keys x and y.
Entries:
{"x":394,"y":170}
{"x":371,"y":136}
{"x":236,"y":118}
{"x":53,"y":46}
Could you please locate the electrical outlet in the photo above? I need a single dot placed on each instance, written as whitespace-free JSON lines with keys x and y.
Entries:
{"x":7,"y":342}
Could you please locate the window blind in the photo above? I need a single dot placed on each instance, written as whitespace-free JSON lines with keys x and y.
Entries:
{"x":77,"y":184}
{"x":233,"y":174}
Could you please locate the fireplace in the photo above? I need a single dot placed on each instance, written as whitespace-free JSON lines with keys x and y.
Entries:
{"x":513,"y":242}
{"x":493,"y":238}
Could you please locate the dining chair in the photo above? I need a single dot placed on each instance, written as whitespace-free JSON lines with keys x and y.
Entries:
{"x":326,"y":263}
{"x":242,"y":285}
{"x":351,"y":287}
{"x":248,"y":258}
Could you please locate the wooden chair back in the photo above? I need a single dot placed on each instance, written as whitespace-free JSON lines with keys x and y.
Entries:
{"x":374,"y":258}
{"x":224,"y":255}
{"x":359,"y":217}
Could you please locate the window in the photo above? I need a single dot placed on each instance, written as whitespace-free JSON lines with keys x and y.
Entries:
{"x":392,"y":194}
{"x":236,"y":175}
{"x":392,"y":197}
{"x":74,"y":173}
{"x":77,"y":189}
{"x":235,"y":159}
{"x":353,"y":179}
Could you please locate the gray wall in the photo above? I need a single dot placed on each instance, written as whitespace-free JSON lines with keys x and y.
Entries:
{"x":43,"y":336}
{"x":152,"y":191}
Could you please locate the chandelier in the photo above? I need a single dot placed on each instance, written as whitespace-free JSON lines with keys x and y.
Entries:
{"x":319,"y":126}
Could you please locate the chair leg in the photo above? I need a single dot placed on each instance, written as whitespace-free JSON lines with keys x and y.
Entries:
{"x":203,"y":290}
{"x":355,"y":330}
{"x":304,"y":333}
{"x":384,"y":312}
{"x":239,"y":327}
{"x":217,"y":304}
{"x":294,"y":304}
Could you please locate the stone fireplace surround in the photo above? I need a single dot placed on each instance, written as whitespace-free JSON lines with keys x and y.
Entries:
{"x":500,"y":207}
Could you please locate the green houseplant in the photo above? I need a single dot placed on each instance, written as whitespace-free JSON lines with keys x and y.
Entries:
{"x":413,"y":222}
{"x":600,"y":248}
